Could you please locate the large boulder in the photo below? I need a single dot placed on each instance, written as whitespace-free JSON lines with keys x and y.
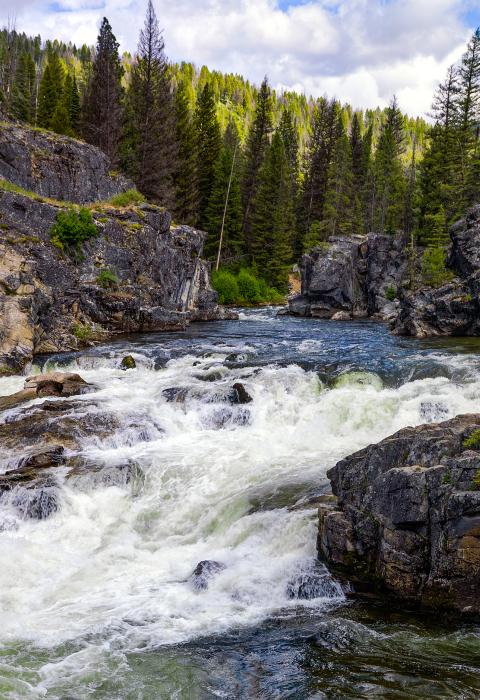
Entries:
{"x":408,"y":515}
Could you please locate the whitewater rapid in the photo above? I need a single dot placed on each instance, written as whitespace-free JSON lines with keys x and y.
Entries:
{"x":109,"y":573}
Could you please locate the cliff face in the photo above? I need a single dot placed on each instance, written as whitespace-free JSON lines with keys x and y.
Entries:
{"x":408,"y":515}
{"x":56,"y":166}
{"x":50,"y":301}
{"x":371,"y":277}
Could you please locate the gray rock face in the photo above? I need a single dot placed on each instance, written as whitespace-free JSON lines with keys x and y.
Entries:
{"x":408,"y":515}
{"x":56,"y":166}
{"x":352,"y":277}
{"x":453,"y":309}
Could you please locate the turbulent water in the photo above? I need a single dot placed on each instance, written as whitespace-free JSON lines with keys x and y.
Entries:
{"x":98,"y":602}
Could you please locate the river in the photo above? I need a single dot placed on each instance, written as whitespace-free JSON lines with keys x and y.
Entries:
{"x":97,"y":601}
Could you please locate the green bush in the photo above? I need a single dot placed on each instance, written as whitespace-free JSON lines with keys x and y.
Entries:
{"x":82,"y":332}
{"x":227,"y":287}
{"x":473,"y":440}
{"x":434,"y":272}
{"x":125,"y":199}
{"x":390,"y":293}
{"x":107,"y":279}
{"x":72,"y":228}
{"x":249,"y":287}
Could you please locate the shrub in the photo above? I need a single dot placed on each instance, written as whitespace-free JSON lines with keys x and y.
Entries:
{"x":226,"y":285}
{"x":473,"y":440}
{"x":125,"y":199}
{"x":476,"y":481}
{"x":248,"y":287}
{"x":72,"y":228}
{"x":434,"y":272}
{"x":390,"y":293}
{"x":107,"y":279}
{"x":82,"y":332}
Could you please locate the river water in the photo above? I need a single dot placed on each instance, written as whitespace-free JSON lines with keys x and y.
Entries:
{"x":97,"y":601}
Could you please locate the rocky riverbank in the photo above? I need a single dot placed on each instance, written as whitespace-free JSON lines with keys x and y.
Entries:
{"x":377,"y":277}
{"x":407,"y":515}
{"x":139,"y":272}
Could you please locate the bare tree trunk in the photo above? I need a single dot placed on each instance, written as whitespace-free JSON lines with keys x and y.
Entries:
{"x":225,"y":209}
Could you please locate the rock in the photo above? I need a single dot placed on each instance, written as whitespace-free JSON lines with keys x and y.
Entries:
{"x":90,"y":475}
{"x":41,"y":385}
{"x":50,"y":302}
{"x":408,"y":516}
{"x":242,"y":395}
{"x":203,"y":572}
{"x":128,"y":363}
{"x":342,"y":316}
{"x":315,"y":583}
{"x":176,"y":394}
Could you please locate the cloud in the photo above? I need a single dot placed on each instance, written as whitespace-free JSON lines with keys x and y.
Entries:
{"x":361,"y":51}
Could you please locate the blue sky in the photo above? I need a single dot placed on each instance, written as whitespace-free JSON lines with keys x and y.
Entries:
{"x":361,"y":51}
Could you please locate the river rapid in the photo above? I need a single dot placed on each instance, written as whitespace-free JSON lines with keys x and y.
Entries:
{"x":97,"y":601}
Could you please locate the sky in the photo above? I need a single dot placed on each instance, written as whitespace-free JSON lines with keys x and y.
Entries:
{"x":359,"y":51}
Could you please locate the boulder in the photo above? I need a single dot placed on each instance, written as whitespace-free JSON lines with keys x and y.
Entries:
{"x":407,"y":516}
{"x":128,"y":362}
{"x":204,"y":572}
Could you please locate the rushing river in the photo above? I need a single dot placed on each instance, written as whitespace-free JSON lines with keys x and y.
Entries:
{"x":97,"y":600}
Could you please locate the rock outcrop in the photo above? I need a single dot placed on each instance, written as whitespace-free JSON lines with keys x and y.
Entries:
{"x":408,"y":515}
{"x":52,"y":301}
{"x":351,"y":277}
{"x":454,"y":308}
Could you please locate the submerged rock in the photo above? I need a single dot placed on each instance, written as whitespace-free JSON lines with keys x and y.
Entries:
{"x":204,"y":571}
{"x":128,"y":362}
{"x":314,"y":583}
{"x":408,"y":515}
{"x":41,"y":385}
{"x":242,"y":395}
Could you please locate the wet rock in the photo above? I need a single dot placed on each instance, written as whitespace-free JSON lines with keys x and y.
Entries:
{"x":241,"y":394}
{"x":211,"y":375}
{"x":307,"y":585}
{"x":57,"y":384}
{"x":36,"y":502}
{"x":87,"y":476}
{"x":342,"y":316}
{"x":225,"y":416}
{"x":175,"y":394}
{"x":432,"y":411}
{"x":408,"y":516}
{"x":128,"y":362}
{"x":204,"y":572}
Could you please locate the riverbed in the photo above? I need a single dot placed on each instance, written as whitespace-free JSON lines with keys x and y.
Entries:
{"x":97,"y":601}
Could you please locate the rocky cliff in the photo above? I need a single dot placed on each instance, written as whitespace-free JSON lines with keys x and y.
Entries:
{"x":408,"y":515}
{"x":377,"y":276}
{"x":49,"y":300}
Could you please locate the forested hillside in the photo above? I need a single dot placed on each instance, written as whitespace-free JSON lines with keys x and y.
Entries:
{"x":270,"y":174}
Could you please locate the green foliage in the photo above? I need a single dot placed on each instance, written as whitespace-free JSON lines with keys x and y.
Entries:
{"x":390,"y":293}
{"x":434,"y":272}
{"x":83,"y":332}
{"x":476,"y":481}
{"x":244,"y":288}
{"x":127,"y":199}
{"x":107,"y":279}
{"x":209,"y":145}
{"x":72,"y":228}
{"x":473,"y":440}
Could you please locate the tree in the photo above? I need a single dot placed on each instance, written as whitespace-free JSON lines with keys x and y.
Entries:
{"x":102,"y":108}
{"x":273,"y":219}
{"x":185,"y":179}
{"x":469,"y":112}
{"x":209,"y":146}
{"x":257,"y":143}
{"x":225,"y":206}
{"x":23,"y":102}
{"x":338,"y":206}
{"x":50,"y":91}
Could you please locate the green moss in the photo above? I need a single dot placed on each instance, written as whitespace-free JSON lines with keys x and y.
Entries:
{"x":476,"y":481}
{"x":390,"y":293}
{"x":5,"y":227}
{"x":126,"y":199}
{"x":473,"y":440}
{"x":103,"y":219}
{"x":447,"y":478}
{"x":135,"y":227}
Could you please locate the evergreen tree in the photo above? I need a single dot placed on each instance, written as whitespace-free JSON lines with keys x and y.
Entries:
{"x":209,"y":146}
{"x":273,"y":219}
{"x":389,"y":178}
{"x":102,"y":110}
{"x":469,"y":113}
{"x":74,"y":105}
{"x":338,"y":205}
{"x":50,"y":91}
{"x":225,"y":183}
{"x":257,"y":143}
{"x":23,"y":104}
{"x":359,"y":176}
{"x":186,"y":182}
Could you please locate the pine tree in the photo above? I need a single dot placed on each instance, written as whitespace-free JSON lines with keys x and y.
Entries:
{"x":225,"y":182}
{"x":102,"y":109}
{"x":257,"y":143}
{"x":389,"y":178}
{"x":359,"y":176}
{"x":209,"y":146}
{"x":185,"y":181}
{"x":273,"y":219}
{"x":338,"y":207}
{"x":74,"y":105}
{"x":50,"y":91}
{"x":23,"y":102}
{"x":469,"y":132}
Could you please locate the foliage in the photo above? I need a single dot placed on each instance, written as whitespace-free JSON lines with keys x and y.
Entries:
{"x":244,"y":288}
{"x":473,"y":440}
{"x":83,"y":332}
{"x":126,"y":199}
{"x":72,"y":228}
{"x":390,"y":293}
{"x":434,"y":272}
{"x":107,"y":279}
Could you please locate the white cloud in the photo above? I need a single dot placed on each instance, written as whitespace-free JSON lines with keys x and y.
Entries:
{"x":358,"y":50}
